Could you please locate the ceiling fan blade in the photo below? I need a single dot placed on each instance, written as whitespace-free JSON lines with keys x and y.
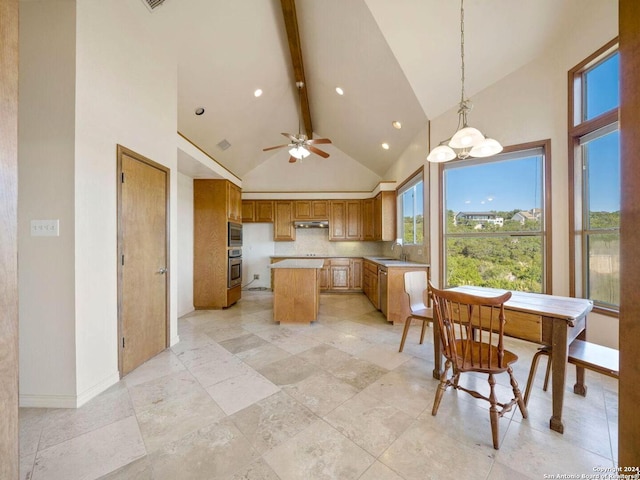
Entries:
{"x":292,"y":160}
{"x":273,"y":148}
{"x":318,"y":140}
{"x":317,"y":151}
{"x":289,"y":136}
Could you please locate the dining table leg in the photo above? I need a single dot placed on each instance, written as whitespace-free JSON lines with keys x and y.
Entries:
{"x":558,"y":367}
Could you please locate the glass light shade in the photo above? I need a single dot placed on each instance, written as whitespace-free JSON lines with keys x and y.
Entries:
{"x":442,"y":153}
{"x":299,"y":152}
{"x":486,"y":148}
{"x":466,"y":137}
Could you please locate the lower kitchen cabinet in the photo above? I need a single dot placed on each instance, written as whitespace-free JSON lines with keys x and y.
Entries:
{"x":370,"y":282}
{"x":339,"y":274}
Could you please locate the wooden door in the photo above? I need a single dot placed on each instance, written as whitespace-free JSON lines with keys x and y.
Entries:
{"x":354,"y":220}
{"x":9,"y":427}
{"x":143,"y":259}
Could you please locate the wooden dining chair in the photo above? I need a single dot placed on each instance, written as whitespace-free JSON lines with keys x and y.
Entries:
{"x":471,"y":332}
{"x":416,"y":287}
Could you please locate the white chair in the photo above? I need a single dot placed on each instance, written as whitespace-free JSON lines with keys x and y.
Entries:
{"x":415,"y":285}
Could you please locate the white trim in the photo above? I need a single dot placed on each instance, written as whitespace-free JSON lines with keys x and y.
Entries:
{"x":174,"y":339}
{"x":68,"y":401}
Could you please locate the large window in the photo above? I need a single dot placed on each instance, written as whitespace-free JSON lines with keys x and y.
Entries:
{"x":411,"y":210}
{"x":595,"y":179}
{"x":494,"y":220}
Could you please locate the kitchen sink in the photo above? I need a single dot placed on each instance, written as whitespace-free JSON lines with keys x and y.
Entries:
{"x":385,"y":259}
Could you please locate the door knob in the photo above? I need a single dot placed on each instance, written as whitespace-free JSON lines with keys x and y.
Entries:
{"x":162,"y":271}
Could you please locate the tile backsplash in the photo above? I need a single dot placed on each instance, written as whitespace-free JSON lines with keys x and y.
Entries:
{"x":316,"y":241}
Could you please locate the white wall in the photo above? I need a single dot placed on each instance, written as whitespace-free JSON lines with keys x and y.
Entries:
{"x":531,"y":104}
{"x":46,"y":191}
{"x":258,"y":247}
{"x":185,"y":244}
{"x":126,"y":93}
{"x":93,"y":75}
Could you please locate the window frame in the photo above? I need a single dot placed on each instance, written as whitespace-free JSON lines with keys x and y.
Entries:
{"x":577,"y":129}
{"x":546,"y":234}
{"x":413,"y":179}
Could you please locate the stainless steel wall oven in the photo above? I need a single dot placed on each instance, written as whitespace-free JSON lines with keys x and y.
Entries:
{"x":234,"y":275}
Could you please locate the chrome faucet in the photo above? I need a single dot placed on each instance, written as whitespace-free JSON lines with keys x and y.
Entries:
{"x":403,"y":256}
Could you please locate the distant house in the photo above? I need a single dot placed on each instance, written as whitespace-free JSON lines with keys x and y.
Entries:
{"x":479,"y":218}
{"x":532,"y":215}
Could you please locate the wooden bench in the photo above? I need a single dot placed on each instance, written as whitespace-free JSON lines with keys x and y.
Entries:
{"x":584,"y":355}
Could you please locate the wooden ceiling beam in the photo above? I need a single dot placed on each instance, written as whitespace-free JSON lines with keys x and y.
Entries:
{"x":293,"y":37}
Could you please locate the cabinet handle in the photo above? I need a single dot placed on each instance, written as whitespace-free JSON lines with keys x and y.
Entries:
{"x":162,"y":271}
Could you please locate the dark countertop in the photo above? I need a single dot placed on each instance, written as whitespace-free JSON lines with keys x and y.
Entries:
{"x":383,"y":260}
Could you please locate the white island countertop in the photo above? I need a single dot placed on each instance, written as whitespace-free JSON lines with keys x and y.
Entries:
{"x":298,"y":263}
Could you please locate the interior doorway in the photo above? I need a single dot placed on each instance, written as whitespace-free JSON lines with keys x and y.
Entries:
{"x":143,"y":276}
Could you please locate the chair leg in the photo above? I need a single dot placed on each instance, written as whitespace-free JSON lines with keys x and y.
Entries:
{"x":407,"y":324}
{"x":493,"y":412}
{"x":441,"y":388}
{"x":532,"y":373}
{"x":517,"y":394}
{"x":548,"y":372}
{"x":424,"y":328}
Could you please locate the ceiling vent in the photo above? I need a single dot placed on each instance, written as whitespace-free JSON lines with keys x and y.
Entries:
{"x":224,"y":144}
{"x":151,"y":4}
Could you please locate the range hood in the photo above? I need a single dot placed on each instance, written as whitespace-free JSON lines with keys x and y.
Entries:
{"x":314,"y":224}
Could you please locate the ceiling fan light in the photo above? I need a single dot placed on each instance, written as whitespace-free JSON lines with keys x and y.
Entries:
{"x":486,"y":148}
{"x":299,"y":152}
{"x":442,"y":153}
{"x":466,"y":137}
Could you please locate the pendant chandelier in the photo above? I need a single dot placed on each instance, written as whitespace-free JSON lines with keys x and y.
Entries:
{"x":467,"y":141}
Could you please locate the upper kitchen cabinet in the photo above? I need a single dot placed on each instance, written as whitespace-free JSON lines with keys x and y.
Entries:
{"x":311,"y":209}
{"x":283,"y":229}
{"x":257,"y":211}
{"x":345,"y":220}
{"x":369,"y":223}
{"x":234,"y":202}
{"x":384,"y":216}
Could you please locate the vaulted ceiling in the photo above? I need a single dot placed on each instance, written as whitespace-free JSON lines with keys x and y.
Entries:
{"x":395,"y":60}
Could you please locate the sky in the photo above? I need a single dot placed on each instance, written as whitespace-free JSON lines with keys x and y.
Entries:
{"x":505,"y":186}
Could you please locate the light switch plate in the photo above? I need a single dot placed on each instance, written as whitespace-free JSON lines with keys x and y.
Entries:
{"x":45,"y":228}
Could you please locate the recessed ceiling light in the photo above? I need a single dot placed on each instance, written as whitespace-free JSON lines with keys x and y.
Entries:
{"x":199,"y":110}
{"x":257,"y":93}
{"x":339,"y":91}
{"x":396,"y":124}
{"x":385,"y":146}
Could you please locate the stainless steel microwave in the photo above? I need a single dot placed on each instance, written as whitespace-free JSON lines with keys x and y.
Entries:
{"x":234,"y":237}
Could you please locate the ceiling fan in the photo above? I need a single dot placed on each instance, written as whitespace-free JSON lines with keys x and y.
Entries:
{"x":301,"y":146}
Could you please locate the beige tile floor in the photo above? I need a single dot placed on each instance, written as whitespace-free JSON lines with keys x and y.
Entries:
{"x":241,"y":397}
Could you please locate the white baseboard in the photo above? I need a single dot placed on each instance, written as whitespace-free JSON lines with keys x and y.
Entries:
{"x":173,"y":340}
{"x":68,"y":401}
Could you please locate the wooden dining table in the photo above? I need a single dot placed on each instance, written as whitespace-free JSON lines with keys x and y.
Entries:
{"x":550,"y":320}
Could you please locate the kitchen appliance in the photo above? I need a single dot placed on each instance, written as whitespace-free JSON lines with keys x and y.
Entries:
{"x":383,"y":289}
{"x":312,"y":224}
{"x":234,"y":274}
{"x":234,"y":236}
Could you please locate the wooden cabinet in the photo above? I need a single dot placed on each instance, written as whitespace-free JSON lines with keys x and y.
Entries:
{"x":397,"y":306}
{"x":283,"y":229}
{"x":384,"y":216}
{"x":345,"y":220}
{"x":248,"y":211}
{"x":370,"y":282}
{"x":339,"y":274}
{"x":324,"y":276}
{"x":369,"y":223}
{"x":311,"y":209}
{"x":257,"y":211}
{"x":371,"y":219}
{"x":234,"y":202}
{"x":355,"y":274}
{"x":211,"y":211}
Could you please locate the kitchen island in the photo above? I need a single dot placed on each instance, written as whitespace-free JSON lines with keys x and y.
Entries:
{"x":296,"y":290}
